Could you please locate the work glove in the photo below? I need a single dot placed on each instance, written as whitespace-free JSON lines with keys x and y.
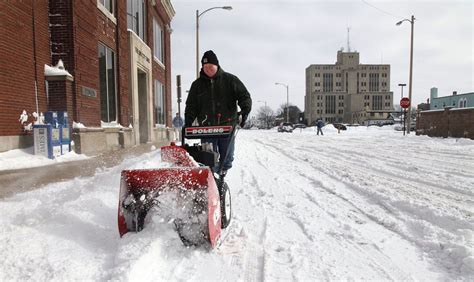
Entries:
{"x":243,"y":119}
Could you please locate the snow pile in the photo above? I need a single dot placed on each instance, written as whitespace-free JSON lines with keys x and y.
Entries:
{"x":25,"y":158}
{"x":78,"y":125}
{"x":57,"y":70}
{"x":113,"y":124}
{"x":364,"y":204}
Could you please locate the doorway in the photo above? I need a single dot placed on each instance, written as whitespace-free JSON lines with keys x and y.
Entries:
{"x":143,"y":106}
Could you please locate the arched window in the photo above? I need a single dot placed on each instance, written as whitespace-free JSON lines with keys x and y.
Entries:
{"x":462,"y":103}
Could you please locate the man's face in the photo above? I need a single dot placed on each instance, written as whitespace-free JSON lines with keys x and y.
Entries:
{"x":209,"y":69}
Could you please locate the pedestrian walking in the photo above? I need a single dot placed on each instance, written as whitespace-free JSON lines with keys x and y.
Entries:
{"x":320,"y":124}
{"x":178,"y":121}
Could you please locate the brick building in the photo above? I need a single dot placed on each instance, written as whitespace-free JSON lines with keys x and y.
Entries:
{"x":117,"y":53}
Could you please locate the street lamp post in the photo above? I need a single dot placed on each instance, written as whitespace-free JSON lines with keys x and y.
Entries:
{"x":266,"y":113}
{"x":401,"y":109}
{"x":198,"y":15}
{"x":287,"y":100}
{"x":412,"y":21}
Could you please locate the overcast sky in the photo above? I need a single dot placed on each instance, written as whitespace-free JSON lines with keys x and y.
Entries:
{"x":268,"y":41}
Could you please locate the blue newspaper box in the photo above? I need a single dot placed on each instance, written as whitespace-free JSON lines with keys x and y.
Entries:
{"x":51,"y":118}
{"x":46,"y":140}
{"x":65,"y":139}
{"x":60,"y":132}
{"x":62,"y":119}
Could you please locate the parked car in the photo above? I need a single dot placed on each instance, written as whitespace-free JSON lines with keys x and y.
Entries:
{"x":299,"y":125}
{"x":399,"y":127}
{"x":285,"y":127}
{"x":339,"y":126}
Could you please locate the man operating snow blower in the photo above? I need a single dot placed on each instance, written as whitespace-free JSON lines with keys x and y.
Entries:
{"x":213,"y":100}
{"x":192,"y":192}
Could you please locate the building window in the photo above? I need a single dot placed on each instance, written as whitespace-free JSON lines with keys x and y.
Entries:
{"x":109,"y":5}
{"x":377,"y":102}
{"x":108,"y":97}
{"x":327,"y":82}
{"x":462,"y":103}
{"x":136,"y":17}
{"x":317,"y":84}
{"x":373,"y":82}
{"x":159,"y":103}
{"x":317,"y":75}
{"x":341,"y":111}
{"x":330,"y":104}
{"x":158,"y":41}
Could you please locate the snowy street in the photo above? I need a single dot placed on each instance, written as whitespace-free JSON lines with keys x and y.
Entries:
{"x":368,"y":203}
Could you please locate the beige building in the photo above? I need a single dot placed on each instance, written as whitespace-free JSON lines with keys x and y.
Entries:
{"x":348,"y":91}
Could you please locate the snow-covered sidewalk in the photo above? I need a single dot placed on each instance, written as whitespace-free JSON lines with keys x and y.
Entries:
{"x":368,"y":203}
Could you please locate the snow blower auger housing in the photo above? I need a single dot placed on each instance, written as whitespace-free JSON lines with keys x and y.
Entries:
{"x":189,"y":193}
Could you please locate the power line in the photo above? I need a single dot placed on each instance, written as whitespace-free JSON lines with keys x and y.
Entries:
{"x":385,"y":12}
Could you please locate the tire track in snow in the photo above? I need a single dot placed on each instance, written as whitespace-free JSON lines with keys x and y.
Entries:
{"x":387,"y":180}
{"x":394,"y":226}
{"x":377,"y":164}
{"x":270,"y":206}
{"x":302,"y":225}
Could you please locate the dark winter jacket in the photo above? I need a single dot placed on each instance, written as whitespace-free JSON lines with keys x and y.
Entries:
{"x":320,"y":124}
{"x":214,"y":101}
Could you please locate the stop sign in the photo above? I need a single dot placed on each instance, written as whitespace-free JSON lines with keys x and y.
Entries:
{"x":405,"y":102}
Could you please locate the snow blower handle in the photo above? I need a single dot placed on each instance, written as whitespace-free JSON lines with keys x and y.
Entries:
{"x":232,"y":140}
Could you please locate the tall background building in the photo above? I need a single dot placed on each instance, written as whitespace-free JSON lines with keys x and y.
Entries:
{"x":348,"y":91}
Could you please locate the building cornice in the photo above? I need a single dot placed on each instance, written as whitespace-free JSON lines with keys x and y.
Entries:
{"x":168,"y":8}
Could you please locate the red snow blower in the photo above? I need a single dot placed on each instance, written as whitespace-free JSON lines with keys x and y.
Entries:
{"x":189,"y":193}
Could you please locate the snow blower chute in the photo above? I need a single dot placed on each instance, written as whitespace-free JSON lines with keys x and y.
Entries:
{"x":196,"y":199}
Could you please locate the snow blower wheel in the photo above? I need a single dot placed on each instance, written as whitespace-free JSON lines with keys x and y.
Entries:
{"x":226,"y":205}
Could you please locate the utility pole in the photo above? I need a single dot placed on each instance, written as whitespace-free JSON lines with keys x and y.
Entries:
{"x":178,"y":85}
{"x":411,"y":74}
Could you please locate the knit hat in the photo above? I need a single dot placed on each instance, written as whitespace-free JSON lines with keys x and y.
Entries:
{"x":209,"y":58}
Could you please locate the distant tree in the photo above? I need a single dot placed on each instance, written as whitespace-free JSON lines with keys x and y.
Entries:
{"x":293,"y":110}
{"x":265,"y":116}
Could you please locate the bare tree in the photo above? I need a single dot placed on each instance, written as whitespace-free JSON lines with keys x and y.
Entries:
{"x":265,"y":116}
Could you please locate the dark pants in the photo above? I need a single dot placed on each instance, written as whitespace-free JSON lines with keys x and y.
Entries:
{"x":320,"y":130}
{"x":221,"y":145}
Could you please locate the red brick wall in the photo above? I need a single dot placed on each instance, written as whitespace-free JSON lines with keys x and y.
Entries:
{"x":17,"y":61}
{"x":60,"y":97}
{"x":68,"y":30}
{"x":89,"y":29}
{"x":163,"y":75}
{"x":62,"y":48}
{"x":452,"y":122}
{"x":123,"y":63}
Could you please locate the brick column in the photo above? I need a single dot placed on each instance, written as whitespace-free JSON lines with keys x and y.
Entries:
{"x":60,"y":95}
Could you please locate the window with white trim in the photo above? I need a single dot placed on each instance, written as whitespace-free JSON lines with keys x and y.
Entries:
{"x":109,"y":5}
{"x":159,"y":103}
{"x":158,"y":41}
{"x":136,"y":11}
{"x":108,"y":95}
